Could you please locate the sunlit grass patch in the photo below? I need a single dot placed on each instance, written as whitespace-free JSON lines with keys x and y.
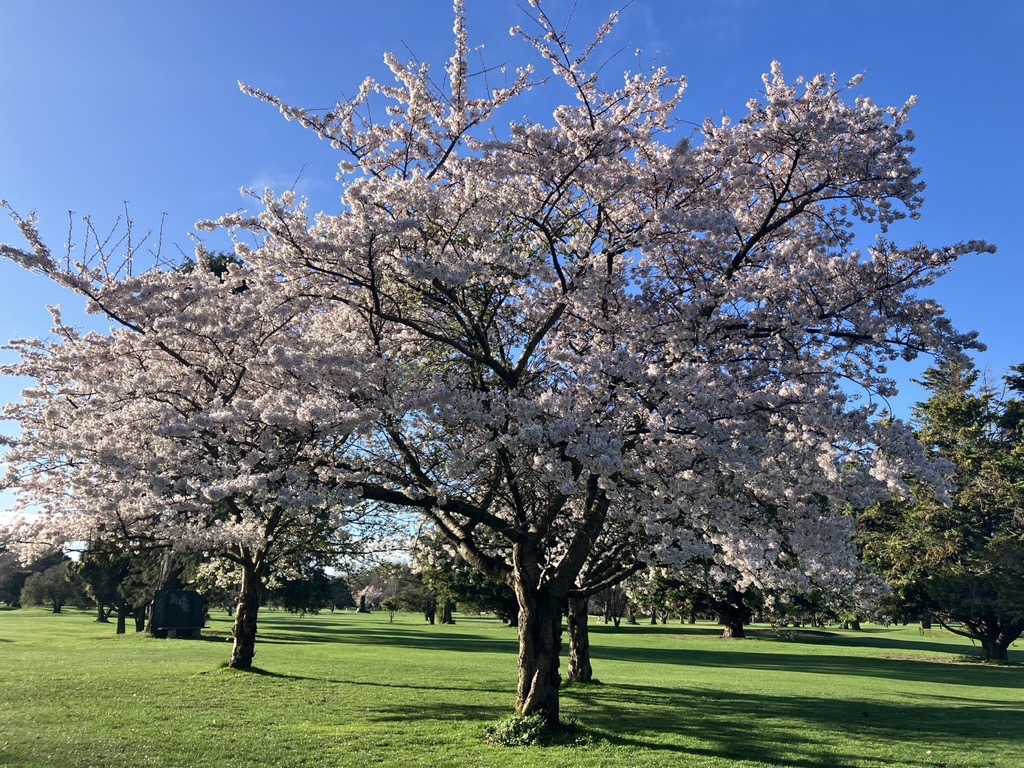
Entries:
{"x":354,"y":690}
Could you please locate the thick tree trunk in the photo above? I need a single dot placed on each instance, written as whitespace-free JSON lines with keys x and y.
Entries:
{"x":733,"y":613}
{"x":993,"y":650}
{"x":122,"y":615}
{"x":446,"y":613}
{"x":995,"y":644}
{"x":540,"y":640}
{"x":580,"y":669}
{"x":101,"y":615}
{"x":245,"y":620}
{"x":140,"y":617}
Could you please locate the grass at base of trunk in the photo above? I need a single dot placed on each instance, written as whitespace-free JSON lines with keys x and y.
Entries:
{"x":350,"y":689}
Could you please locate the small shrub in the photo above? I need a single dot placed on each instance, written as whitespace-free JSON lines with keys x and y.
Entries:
{"x":533,"y":730}
{"x":516,"y":731}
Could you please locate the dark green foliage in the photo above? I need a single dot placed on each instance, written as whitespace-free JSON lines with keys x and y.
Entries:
{"x":216,"y":262}
{"x":454,"y":581}
{"x":123,"y":579}
{"x":13,"y":574}
{"x":53,"y":587}
{"x":310,"y":593}
{"x":416,"y":597}
{"x":341,"y":594}
{"x":961,"y":561}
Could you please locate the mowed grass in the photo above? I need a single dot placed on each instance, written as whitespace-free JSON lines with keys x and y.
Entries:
{"x":355,"y":690}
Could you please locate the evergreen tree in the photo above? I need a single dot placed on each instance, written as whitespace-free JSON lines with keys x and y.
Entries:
{"x":962,"y":559}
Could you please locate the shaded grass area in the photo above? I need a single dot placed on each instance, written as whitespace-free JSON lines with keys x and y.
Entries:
{"x":355,"y":690}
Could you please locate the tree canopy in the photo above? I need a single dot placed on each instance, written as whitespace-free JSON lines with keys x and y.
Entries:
{"x":532,"y":336}
{"x":962,"y":559}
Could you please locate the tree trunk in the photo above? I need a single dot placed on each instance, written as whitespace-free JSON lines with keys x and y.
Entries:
{"x":993,"y":650}
{"x":446,"y":613}
{"x":733,"y":629}
{"x":580,"y":669}
{"x":140,"y":617}
{"x":56,"y":606}
{"x":540,"y":640}
{"x":122,"y":615}
{"x":245,"y":620}
{"x":101,"y":615}
{"x":510,"y":612}
{"x":733,"y":613}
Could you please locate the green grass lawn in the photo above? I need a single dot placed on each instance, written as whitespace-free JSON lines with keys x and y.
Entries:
{"x":355,"y":690}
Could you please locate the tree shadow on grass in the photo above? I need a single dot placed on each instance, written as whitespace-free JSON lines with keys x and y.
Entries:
{"x":452,"y":640}
{"x":480,"y":714}
{"x":865,"y":640}
{"x":259,"y":671}
{"x":436,"y":638}
{"x":792,"y":730}
{"x":832,"y":664}
{"x":665,"y":630}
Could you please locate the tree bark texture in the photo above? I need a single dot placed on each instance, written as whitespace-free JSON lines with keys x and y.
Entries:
{"x":580,"y":669}
{"x":245,"y":620}
{"x":540,"y":640}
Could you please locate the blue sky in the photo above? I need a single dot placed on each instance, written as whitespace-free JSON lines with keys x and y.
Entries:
{"x":106,"y":102}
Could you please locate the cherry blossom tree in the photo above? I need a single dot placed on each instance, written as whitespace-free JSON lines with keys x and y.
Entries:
{"x":183,"y":428}
{"x":592,"y":323}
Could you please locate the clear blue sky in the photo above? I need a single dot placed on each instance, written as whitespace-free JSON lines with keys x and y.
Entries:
{"x":105,"y":102}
